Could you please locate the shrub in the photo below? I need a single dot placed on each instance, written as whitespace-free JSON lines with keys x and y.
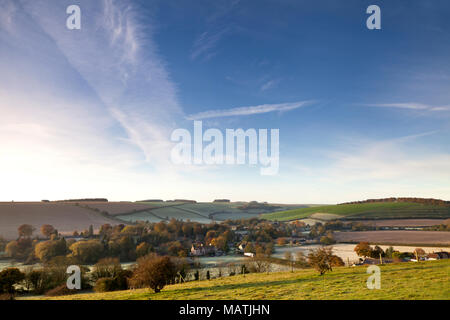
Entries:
{"x":327,"y":240}
{"x":8,"y":278}
{"x":321,"y":259}
{"x":106,"y":268}
{"x":104,"y":285}
{"x":337,"y":261}
{"x":154,"y":272}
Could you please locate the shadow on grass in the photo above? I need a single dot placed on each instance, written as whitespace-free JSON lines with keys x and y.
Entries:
{"x":248,"y":285}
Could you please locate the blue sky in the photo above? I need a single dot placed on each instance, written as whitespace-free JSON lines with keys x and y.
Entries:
{"x":88,"y":113}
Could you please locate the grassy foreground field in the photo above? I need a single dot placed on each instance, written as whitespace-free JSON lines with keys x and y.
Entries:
{"x":366,"y":211}
{"x":425,"y":280}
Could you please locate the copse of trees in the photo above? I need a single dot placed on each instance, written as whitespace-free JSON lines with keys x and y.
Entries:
{"x":363,"y":249}
{"x":429,"y":201}
{"x":87,"y":251}
{"x":51,"y":278}
{"x":84,"y":200}
{"x":20,"y":249}
{"x":47,"y":250}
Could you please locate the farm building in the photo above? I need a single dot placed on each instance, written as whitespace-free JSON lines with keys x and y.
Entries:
{"x":438,"y":255}
{"x":202,"y":250}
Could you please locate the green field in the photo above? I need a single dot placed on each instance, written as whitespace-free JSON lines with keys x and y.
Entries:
{"x":203,"y":212}
{"x":425,"y":280}
{"x":381,"y":210}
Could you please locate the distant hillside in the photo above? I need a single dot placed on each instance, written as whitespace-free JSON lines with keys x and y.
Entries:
{"x":64,"y":216}
{"x":367,"y":210}
{"x":430,"y":201}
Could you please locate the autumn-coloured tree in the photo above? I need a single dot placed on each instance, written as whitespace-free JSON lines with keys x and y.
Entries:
{"x":322,"y":259}
{"x":363,"y":249}
{"x":154,"y":272}
{"x":47,"y":230}
{"x":419,"y":252}
{"x":25,"y":231}
{"x":47,"y":250}
{"x":143,"y":249}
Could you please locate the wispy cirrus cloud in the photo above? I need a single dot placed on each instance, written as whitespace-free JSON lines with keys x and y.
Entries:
{"x":82,"y":105}
{"x":250,"y":110}
{"x":269,"y":84}
{"x":411,"y":106}
{"x":206,"y":43}
{"x":116,"y":56}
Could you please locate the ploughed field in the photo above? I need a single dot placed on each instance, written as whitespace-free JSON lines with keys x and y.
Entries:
{"x":122,"y":207}
{"x":403,"y":222}
{"x":65,"y":217}
{"x":383,"y":210}
{"x":402,"y":281}
{"x":409,"y":237}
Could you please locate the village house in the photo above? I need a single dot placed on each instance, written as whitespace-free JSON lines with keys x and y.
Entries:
{"x":202,"y":250}
{"x":438,"y":255}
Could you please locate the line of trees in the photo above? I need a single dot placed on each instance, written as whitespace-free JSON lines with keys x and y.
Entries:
{"x":429,"y":201}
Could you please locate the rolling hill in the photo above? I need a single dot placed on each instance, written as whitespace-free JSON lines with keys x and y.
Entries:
{"x":65,"y":217}
{"x":68,"y":216}
{"x":398,"y":281}
{"x":203,"y":212}
{"x":383,"y":210}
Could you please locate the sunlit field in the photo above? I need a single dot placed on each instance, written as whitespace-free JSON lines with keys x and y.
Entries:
{"x":425,"y":280}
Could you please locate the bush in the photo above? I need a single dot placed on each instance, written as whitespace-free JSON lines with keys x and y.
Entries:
{"x":327,"y":240}
{"x":154,"y":272}
{"x":321,"y":259}
{"x":104,"y":285}
{"x":106,"y":268}
{"x":118,"y":282}
{"x":9,"y":278}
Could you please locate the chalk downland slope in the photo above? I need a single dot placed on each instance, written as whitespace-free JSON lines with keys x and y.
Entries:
{"x":399,"y":281}
{"x":65,"y":217}
{"x":384,"y":210}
